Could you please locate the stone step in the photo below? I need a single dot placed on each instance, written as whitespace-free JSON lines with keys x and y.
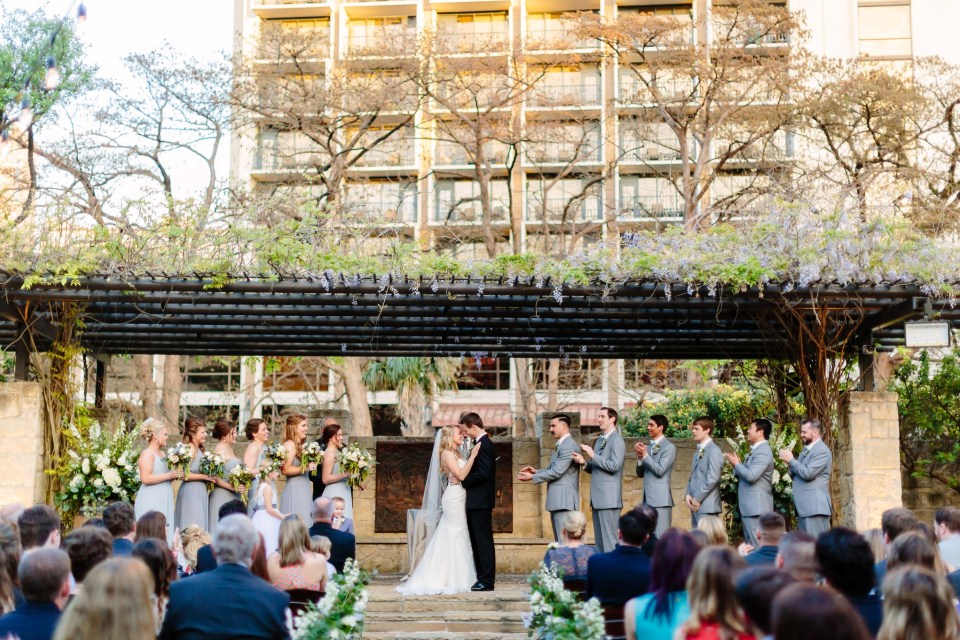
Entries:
{"x":448,"y":621}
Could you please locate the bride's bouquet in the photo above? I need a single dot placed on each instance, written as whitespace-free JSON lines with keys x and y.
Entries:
{"x":211,"y":464}
{"x":312,"y":453}
{"x":274,"y":455}
{"x":241,"y":477}
{"x":356,"y":461}
{"x":178,"y":457}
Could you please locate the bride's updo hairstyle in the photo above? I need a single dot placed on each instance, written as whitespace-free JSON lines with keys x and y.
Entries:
{"x":446,"y":440}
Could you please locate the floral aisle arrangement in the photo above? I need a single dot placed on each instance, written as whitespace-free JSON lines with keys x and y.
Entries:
{"x":211,"y":464}
{"x":339,"y":614}
{"x":356,"y":461}
{"x":274,"y":455}
{"x":782,"y":482}
{"x":557,"y":614}
{"x":241,"y":476}
{"x":100,"y":467}
{"x":312,"y":454}
{"x":178,"y":457}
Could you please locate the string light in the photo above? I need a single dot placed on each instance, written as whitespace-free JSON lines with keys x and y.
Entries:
{"x":81,"y":13}
{"x":52,"y":78}
{"x":26,"y":114}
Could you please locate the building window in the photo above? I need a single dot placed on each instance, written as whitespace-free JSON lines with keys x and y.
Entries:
{"x":206,"y":373}
{"x":210,"y":414}
{"x":574,"y":375}
{"x":492,"y":374}
{"x":654,"y":375}
{"x":459,"y":201}
{"x":884,"y":29}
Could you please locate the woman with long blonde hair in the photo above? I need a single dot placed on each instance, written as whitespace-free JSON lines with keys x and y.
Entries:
{"x":156,"y":479}
{"x":114,"y":604}
{"x":918,"y":603}
{"x":714,"y":612}
{"x":295,"y":565}
{"x":297,"y":494}
{"x":447,"y":563}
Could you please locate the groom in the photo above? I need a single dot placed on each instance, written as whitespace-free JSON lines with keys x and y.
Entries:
{"x":480,"y":485}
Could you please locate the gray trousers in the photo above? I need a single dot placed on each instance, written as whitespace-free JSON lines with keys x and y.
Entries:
{"x":695,"y":517}
{"x":664,"y":518}
{"x":815,"y":525}
{"x":750,"y":526}
{"x":605,"y":525}
{"x":556,"y":519}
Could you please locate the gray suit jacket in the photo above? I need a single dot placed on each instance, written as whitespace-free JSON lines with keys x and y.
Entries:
{"x":562,"y":478}
{"x":656,"y":469}
{"x":606,"y":485}
{"x":811,"y":481}
{"x":755,"y":489}
{"x":704,"y":484}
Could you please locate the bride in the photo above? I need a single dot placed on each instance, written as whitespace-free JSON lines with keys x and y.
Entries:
{"x":447,"y":564}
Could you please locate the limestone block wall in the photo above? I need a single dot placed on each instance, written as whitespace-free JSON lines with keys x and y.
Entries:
{"x":924,"y":496}
{"x":867,"y":459}
{"x":21,"y":447}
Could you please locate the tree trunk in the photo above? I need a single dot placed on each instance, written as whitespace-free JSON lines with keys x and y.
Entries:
{"x":170,"y":393}
{"x":526,"y":424}
{"x":352,"y":375}
{"x":146,"y":386}
{"x":553,"y":385}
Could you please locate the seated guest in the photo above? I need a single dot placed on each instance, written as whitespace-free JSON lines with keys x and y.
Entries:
{"x":152,"y":524}
{"x":344,"y":545}
{"x":192,"y":538}
{"x":205,"y":560}
{"x":755,"y":589}
{"x":917,"y":603}
{"x":45,"y":581}
{"x":894,"y":522}
{"x":701,"y":538}
{"x":846,"y":563}
{"x":113,"y":605}
{"x":875,"y":538}
{"x":713,"y":527}
{"x":245,"y":606}
{"x":10,"y":595}
{"x":572,"y":555}
{"x":624,"y":573}
{"x":651,"y":544}
{"x":87,"y":547}
{"x":163,"y":568}
{"x":772,"y":527}
{"x":122,"y":525}
{"x":656,"y":615}
{"x":340,"y":521}
{"x":914,"y":548}
{"x":321,"y":545}
{"x":946,"y":523}
{"x":803,"y":611}
{"x":295,"y":565}
{"x":10,"y":512}
{"x":714,"y":612}
{"x":39,"y":526}
{"x":797,"y":556}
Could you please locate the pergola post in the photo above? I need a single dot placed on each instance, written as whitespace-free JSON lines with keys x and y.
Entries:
{"x":100,"y":386}
{"x":21,"y":361}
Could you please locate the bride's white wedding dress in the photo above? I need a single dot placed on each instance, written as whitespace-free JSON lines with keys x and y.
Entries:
{"x":447,"y":564}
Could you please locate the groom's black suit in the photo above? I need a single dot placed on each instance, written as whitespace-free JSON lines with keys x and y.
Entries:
{"x":480,"y":485}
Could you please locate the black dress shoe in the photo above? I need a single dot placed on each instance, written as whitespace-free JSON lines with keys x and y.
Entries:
{"x":481,"y":587}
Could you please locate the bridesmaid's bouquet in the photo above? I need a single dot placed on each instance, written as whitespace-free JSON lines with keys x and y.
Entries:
{"x":274,"y":455}
{"x":212,"y":465}
{"x":356,"y":461}
{"x":240,"y":476}
{"x":178,"y":457}
{"x":312,"y":453}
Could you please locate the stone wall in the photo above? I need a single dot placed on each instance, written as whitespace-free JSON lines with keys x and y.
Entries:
{"x":924,"y":496}
{"x":21,"y":447}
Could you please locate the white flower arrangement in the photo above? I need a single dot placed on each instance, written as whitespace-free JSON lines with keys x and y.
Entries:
{"x":178,"y":457}
{"x":241,"y":477}
{"x":311,"y":454}
{"x":356,"y":461}
{"x":211,"y":464}
{"x":340,"y":613}
{"x":274,"y":455}
{"x":558,"y":613}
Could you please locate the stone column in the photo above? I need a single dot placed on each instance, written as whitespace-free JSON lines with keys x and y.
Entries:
{"x":867,"y":459}
{"x":21,"y":448}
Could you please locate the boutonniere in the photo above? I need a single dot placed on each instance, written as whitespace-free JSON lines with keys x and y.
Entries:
{"x":699,"y":454}
{"x":656,"y":448}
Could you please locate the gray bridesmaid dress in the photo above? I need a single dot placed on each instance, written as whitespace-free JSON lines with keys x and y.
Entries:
{"x":157,"y":497}
{"x":298,"y":497}
{"x":192,"y":500}
{"x":220,"y":496}
{"x":252,"y":492}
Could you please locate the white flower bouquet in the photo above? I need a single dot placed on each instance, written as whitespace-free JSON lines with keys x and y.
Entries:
{"x":211,"y":464}
{"x":100,"y":467}
{"x":340,"y":612}
{"x":557,"y":612}
{"x":356,"y":461}
{"x":240,"y":477}
{"x":178,"y":457}
{"x":311,"y":454}
{"x":274,"y":455}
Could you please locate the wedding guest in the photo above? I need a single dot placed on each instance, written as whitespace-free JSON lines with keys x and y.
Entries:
{"x":226,"y":434}
{"x":266,"y":516}
{"x":152,"y":524}
{"x":572,"y":555}
{"x":113,"y":605}
{"x":205,"y":559}
{"x":846,"y":563}
{"x":877,"y":545}
{"x":334,"y":479}
{"x":658,"y":614}
{"x":322,"y":545}
{"x":122,"y":525}
{"x":39,"y":526}
{"x":340,"y":521}
{"x":914,"y":548}
{"x":298,"y":491}
{"x":714,"y":611}
{"x":701,"y":538}
{"x":894,"y":523}
{"x":756,"y":587}
{"x":87,"y":547}
{"x":946,"y":524}
{"x":713,"y":527}
{"x":158,"y":558}
{"x":10,"y":512}
{"x":156,"y":479}
{"x":803,"y":611}
{"x":192,"y":499}
{"x":10,"y":594}
{"x":295,"y":565}
{"x":45,"y":579}
{"x":918,"y":603}
{"x":615,"y":577}
{"x":653,"y":514}
{"x":258,"y":566}
{"x":797,"y":556}
{"x":192,"y":538}
{"x":257,"y":433}
{"x":771,"y":528}
{"x":245,"y":606}
{"x":344,"y":545}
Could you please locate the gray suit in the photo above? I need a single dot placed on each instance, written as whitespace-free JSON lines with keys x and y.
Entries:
{"x":563,"y":483}
{"x":656,"y":469}
{"x":755,"y":489}
{"x":704,"y":484}
{"x":606,"y":488}
{"x":811,"y":487}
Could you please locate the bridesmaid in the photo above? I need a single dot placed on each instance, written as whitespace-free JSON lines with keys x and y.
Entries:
{"x":336,"y":482}
{"x":298,"y":493}
{"x":226,"y":434}
{"x":156,"y":486}
{"x":257,"y":433}
{"x":192,"y":500}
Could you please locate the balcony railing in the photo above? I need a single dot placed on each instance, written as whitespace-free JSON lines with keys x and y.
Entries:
{"x":638,"y":149}
{"x":635,"y":92}
{"x":550,"y":94}
{"x":290,"y":157}
{"x":470,"y":213}
{"x":449,"y":153}
{"x":560,"y":38}
{"x":392,"y":212}
{"x":643,"y":208}
{"x":392,"y":153}
{"x":281,"y":49}
{"x":383,"y":44}
{"x":452,"y":42}
{"x":587,"y":210}
{"x":564,"y":152}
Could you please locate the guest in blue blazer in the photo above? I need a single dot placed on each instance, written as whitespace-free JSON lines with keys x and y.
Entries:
{"x":44,"y":577}
{"x":624,"y":573}
{"x":244,"y":607}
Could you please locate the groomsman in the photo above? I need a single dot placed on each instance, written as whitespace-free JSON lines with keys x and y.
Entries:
{"x":755,"y":475}
{"x":605,"y":465}
{"x":655,"y":466}
{"x":811,"y":478}
{"x":562,"y":476}
{"x":703,"y":488}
